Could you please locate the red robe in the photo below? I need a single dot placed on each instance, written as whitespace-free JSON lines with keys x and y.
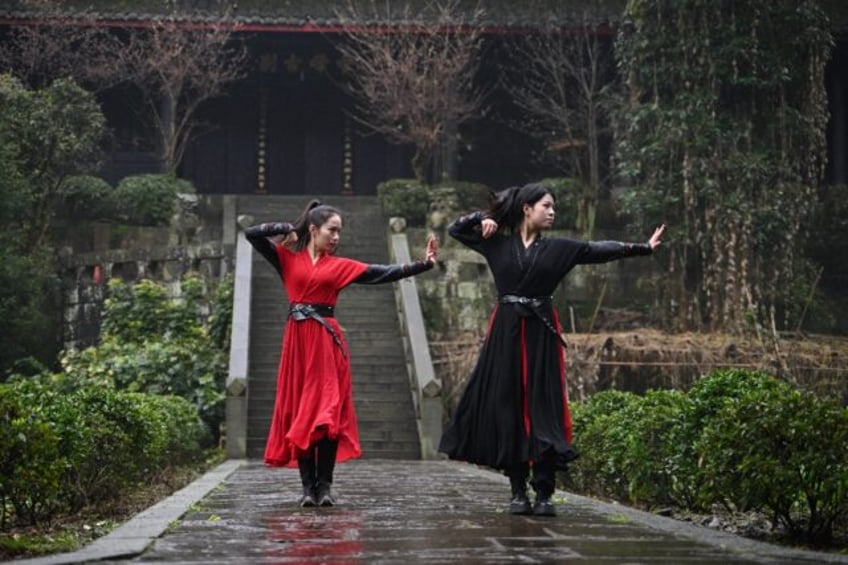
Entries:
{"x":313,"y":383}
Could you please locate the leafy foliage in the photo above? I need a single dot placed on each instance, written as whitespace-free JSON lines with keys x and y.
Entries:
{"x":65,"y":448}
{"x":51,"y":133}
{"x":86,"y":197}
{"x":722,"y":137}
{"x":407,"y":198}
{"x":149,"y":200}
{"x":153,"y":344}
{"x":45,"y":135}
{"x":742,"y":439}
{"x":786,"y":452}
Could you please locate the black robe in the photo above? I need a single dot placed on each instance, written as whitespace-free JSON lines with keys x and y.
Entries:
{"x":515,"y":406}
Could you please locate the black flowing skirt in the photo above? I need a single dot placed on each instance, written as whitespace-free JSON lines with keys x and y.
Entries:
{"x":514,"y":408}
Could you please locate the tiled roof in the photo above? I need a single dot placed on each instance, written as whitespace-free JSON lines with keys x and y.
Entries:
{"x":323,"y":14}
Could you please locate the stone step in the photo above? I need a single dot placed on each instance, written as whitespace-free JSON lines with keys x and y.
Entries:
{"x":368,"y":316}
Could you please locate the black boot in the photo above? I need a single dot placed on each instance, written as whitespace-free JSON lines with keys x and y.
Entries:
{"x":326,"y":457}
{"x":544,"y":483}
{"x":306,"y":465}
{"x":519,"y":504}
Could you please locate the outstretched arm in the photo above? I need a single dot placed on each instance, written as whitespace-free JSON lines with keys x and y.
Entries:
{"x":258,"y":238}
{"x":379,"y":274}
{"x":603,"y":251}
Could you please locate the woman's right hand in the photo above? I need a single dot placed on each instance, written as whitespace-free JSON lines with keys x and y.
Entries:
{"x":489,"y":227}
{"x":291,"y":238}
{"x":288,"y":240}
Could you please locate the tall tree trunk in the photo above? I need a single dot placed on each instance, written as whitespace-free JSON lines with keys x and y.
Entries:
{"x":168,"y":112}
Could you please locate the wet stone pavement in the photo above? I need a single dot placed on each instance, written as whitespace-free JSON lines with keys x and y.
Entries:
{"x":428,"y":512}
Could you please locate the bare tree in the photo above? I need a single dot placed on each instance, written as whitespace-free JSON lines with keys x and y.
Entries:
{"x":54,"y":45}
{"x":558,"y":77}
{"x":179,"y":66}
{"x":176,"y":62}
{"x":412,"y":75}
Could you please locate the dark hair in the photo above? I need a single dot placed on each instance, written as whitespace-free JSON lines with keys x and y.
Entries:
{"x":315,"y":214}
{"x":507,"y":206}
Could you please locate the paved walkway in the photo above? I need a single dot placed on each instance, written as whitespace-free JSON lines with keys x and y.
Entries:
{"x":406,"y":512}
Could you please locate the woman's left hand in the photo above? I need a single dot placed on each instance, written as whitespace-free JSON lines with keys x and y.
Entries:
{"x":656,"y":239}
{"x":432,"y":248}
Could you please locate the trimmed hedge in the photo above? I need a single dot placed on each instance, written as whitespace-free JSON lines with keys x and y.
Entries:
{"x":407,"y":198}
{"x":62,"y":450}
{"x":742,"y":439}
{"x":149,"y":200}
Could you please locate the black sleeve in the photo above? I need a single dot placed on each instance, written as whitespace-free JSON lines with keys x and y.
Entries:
{"x":604,"y":251}
{"x":379,"y":274}
{"x":258,"y":238}
{"x":466,"y":230}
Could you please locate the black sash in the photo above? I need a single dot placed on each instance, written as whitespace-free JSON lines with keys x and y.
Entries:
{"x":535,"y":306}
{"x":300,"y":312}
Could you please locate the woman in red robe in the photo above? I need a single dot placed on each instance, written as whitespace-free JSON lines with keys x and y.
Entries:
{"x":314,"y":421}
{"x":514,"y":413}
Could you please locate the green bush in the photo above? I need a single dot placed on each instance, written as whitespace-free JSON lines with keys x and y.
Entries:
{"x":470,"y":196}
{"x":623,"y":441}
{"x":600,"y":435}
{"x":783,"y":451}
{"x":63,"y":449}
{"x":707,"y":398}
{"x":31,"y":465}
{"x":149,"y":200}
{"x":739,"y":438}
{"x":407,"y":198}
{"x":176,"y":429}
{"x":87,"y":198}
{"x":115,"y":456}
{"x":153,"y":344}
{"x":649,"y":451}
{"x":221,"y":313}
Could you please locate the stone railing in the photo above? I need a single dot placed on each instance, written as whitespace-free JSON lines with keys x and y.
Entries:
{"x":426,"y":388}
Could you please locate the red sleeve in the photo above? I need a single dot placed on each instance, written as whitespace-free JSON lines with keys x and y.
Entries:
{"x":284,"y":255}
{"x":346,"y":271}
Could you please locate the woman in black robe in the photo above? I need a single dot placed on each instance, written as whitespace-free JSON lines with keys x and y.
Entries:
{"x":514,"y":413}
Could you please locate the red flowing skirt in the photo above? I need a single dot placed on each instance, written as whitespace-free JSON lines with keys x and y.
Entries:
{"x":314,"y":396}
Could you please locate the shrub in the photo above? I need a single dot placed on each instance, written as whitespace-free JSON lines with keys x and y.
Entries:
{"x":407,"y":198}
{"x":221,"y":313}
{"x":176,"y":429}
{"x":149,"y":200}
{"x":115,"y":455}
{"x":87,"y":198}
{"x":600,"y":436}
{"x":470,"y":196}
{"x":60,"y":450}
{"x":649,"y":451}
{"x":784,"y":451}
{"x":706,"y":399}
{"x":157,"y":345}
{"x":31,"y":465}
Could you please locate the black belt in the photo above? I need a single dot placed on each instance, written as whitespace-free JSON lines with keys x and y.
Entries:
{"x":300,"y":312}
{"x":535,"y":305}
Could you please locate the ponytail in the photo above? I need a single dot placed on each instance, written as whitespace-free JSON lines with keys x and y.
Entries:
{"x":315,"y":214}
{"x":507,"y":206}
{"x":502,"y":208}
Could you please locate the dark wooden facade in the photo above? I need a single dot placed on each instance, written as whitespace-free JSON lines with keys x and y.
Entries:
{"x":287,"y":128}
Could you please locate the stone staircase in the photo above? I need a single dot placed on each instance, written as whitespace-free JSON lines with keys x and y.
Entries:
{"x":381,"y":389}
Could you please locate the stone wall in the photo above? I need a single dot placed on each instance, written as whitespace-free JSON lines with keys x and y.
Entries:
{"x":196,"y":242}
